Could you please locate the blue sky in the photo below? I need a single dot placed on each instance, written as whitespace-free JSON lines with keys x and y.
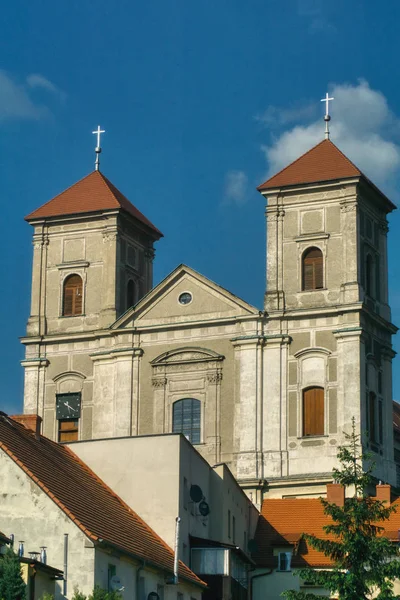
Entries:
{"x":200,"y":101}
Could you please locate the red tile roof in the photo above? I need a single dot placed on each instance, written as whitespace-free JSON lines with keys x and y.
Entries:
{"x":283,"y":521}
{"x":85,"y":498}
{"x":324,"y":162}
{"x":91,"y":194}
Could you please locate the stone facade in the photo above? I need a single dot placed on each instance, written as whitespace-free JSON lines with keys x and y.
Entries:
{"x":248,"y":368}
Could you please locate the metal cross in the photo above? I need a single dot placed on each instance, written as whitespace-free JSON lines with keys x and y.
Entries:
{"x":99,"y":132}
{"x":327,"y":100}
{"x":98,"y":147}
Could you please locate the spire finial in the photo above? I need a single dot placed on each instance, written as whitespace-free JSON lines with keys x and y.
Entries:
{"x":98,"y":132}
{"x":327,"y":117}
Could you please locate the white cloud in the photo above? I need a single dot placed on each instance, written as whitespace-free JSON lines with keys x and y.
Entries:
{"x":17,"y":101}
{"x":362,"y":126}
{"x":314,"y":11}
{"x":235,"y":190}
{"x":38,"y":81}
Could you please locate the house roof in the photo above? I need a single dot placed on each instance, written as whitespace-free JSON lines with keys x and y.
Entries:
{"x":324,"y":162}
{"x":100,"y":513}
{"x":93,"y":193}
{"x":4,"y":539}
{"x":283,"y":521}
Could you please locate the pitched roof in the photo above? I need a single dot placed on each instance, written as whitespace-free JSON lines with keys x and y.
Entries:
{"x":324,"y":162}
{"x":86,"y":500}
{"x":91,"y":194}
{"x":283,"y":521}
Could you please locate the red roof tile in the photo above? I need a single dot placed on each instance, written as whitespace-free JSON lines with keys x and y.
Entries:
{"x":91,"y":194}
{"x":87,"y":500}
{"x":324,"y":162}
{"x":283,"y":521}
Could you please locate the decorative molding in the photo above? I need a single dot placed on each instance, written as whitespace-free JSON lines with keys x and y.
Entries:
{"x":39,"y":243}
{"x":109,"y":236}
{"x":38,"y":361}
{"x":312,"y":350}
{"x":310,"y":237}
{"x":186,"y":355}
{"x":150,"y":253}
{"x":214,"y":377}
{"x":69,"y":375}
{"x":274,"y":214}
{"x":348,"y":207}
{"x":74,"y":264}
{"x":159,"y":382}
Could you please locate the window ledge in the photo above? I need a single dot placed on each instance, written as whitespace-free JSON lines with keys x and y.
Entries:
{"x":71,"y":316}
{"x":324,"y":289}
{"x":74,"y":264}
{"x":308,"y":237}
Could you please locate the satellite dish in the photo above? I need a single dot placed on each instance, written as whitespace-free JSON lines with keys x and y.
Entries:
{"x":252,"y":546}
{"x":116,"y":584}
{"x":204,"y":509}
{"x":196,"y":493}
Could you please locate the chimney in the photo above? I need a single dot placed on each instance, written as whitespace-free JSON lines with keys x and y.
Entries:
{"x":383,"y":492}
{"x":335,"y":493}
{"x":30,"y":422}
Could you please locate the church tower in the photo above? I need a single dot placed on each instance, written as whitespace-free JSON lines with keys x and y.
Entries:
{"x":328,"y":332}
{"x":92,"y":260}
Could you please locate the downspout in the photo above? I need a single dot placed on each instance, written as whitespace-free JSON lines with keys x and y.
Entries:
{"x":176,"y":555}
{"x":255,"y":577}
{"x":142,"y":566}
{"x":65,"y":564}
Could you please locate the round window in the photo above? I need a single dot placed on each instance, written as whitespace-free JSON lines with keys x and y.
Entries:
{"x":185,"y":298}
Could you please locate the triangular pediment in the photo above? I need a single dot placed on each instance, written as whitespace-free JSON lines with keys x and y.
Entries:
{"x":185,"y":296}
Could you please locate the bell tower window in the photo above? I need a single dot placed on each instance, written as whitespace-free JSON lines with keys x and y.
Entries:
{"x":72,"y":296}
{"x":312,"y":270}
{"x":130,"y":293}
{"x":313,"y":411}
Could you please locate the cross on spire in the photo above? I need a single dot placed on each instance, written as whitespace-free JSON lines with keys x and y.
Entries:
{"x":327,"y":117}
{"x":98,"y":132}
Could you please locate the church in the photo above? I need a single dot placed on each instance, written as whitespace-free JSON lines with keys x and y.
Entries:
{"x":269,"y":392}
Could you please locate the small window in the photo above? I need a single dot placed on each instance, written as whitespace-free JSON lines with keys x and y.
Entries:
{"x":67,"y":430}
{"x":229,"y":524}
{"x":233,"y":529}
{"x":312,"y":269}
{"x":313,"y":412}
{"x":130,"y":294}
{"x":72,"y":296}
{"x":112,"y":571}
{"x":186,"y":419}
{"x":185,"y":493}
{"x":284,"y":560}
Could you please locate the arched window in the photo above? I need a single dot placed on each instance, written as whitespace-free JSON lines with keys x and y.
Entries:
{"x":130,"y":294}
{"x":186,"y":419}
{"x":313,"y":411}
{"x":72,"y":296}
{"x":313,"y":270}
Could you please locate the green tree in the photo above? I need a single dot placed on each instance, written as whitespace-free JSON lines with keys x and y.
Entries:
{"x":365,"y":562}
{"x":97,"y":594}
{"x":12,"y":586}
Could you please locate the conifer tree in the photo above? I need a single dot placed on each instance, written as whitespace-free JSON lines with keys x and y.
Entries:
{"x":12,"y":586}
{"x":365,"y":562}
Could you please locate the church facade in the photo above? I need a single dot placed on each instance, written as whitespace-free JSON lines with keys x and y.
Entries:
{"x":270,"y":392}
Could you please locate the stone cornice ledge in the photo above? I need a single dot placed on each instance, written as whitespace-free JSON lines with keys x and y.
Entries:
{"x":38,"y":361}
{"x":115,"y":352}
{"x":308,"y":237}
{"x":74,"y":264}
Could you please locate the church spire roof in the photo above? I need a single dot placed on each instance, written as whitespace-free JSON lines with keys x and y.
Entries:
{"x":324,"y":162}
{"x":93,"y":193}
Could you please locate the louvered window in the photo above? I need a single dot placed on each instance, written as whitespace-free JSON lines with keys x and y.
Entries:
{"x":313,"y":270}
{"x":313,"y":411}
{"x":72,"y":296}
{"x":186,"y":419}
